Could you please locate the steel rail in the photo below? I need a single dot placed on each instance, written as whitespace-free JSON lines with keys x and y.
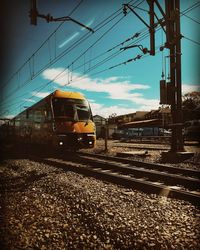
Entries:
{"x":147,"y":165}
{"x":121,"y":179}
{"x":151,"y":175}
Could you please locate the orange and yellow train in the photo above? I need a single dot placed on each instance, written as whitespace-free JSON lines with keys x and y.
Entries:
{"x":62,"y":119}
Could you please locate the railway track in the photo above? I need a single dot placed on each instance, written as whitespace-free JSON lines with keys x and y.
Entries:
{"x":160,"y":179}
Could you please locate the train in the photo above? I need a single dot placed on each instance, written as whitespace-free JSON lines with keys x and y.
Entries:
{"x":62,"y":120}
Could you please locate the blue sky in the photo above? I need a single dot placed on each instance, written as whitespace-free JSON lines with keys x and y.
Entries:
{"x":39,"y":59}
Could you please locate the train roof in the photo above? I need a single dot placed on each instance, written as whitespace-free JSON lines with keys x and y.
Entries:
{"x":66,"y":94}
{"x":57,"y":94}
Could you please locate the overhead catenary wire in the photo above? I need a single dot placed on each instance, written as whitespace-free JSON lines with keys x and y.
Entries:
{"x":77,"y":79}
{"x":45,"y":41}
{"x":194,"y":20}
{"x":64,"y":52}
{"x":103,"y":23}
{"x":60,"y":75}
{"x":102,"y":62}
{"x":29,"y":80}
{"x":80,"y":78}
{"x":191,"y":8}
{"x":187,"y":10}
{"x":198,"y":43}
{"x":54,"y":33}
{"x":82,"y":39}
{"x":96,"y":73}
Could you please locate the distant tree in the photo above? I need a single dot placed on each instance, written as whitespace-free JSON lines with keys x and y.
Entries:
{"x":191,"y":105}
{"x":112,"y":115}
{"x":111,"y":118}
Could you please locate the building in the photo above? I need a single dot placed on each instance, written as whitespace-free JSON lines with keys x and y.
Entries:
{"x":138,"y":115}
{"x":140,"y":123}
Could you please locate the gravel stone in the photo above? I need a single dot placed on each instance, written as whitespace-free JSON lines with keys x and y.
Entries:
{"x":44,"y":207}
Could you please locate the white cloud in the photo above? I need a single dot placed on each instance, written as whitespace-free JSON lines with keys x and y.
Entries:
{"x":40,"y":94}
{"x":186,"y":88}
{"x":118,"y":88}
{"x":9,"y":116}
{"x":102,"y":110}
{"x":29,"y":100}
{"x":91,"y":100}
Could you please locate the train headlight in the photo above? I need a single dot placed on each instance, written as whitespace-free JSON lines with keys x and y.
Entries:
{"x":60,"y":143}
{"x":80,"y":139}
{"x":90,"y":142}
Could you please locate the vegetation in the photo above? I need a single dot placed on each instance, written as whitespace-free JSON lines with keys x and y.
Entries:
{"x":191,"y":106}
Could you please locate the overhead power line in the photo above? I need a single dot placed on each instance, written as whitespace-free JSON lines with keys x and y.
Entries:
{"x":58,"y":57}
{"x":143,"y":34}
{"x":98,"y":27}
{"x":46,"y":40}
{"x":29,"y":80}
{"x":185,"y":11}
{"x":78,"y":78}
{"x":194,"y":20}
{"x":84,"y":76}
{"x":198,"y":43}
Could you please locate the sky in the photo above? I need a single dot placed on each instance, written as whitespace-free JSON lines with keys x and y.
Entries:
{"x":37,"y":60}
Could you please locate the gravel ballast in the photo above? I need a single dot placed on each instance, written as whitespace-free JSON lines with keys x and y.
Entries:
{"x":44,"y":207}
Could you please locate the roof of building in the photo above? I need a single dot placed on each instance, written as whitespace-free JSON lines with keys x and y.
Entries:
{"x":99,"y":117}
{"x":143,"y":123}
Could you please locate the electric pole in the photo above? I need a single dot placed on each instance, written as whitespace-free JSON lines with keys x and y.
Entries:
{"x":173,"y":43}
{"x":171,"y":91}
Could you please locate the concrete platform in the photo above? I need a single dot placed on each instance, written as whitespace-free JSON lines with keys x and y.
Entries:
{"x":132,"y":153}
{"x":175,"y":157}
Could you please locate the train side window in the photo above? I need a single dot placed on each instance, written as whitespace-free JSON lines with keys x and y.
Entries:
{"x":38,"y":117}
{"x":47,"y":114}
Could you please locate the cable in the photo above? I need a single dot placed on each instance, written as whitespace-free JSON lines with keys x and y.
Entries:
{"x":95,"y":66}
{"x":198,"y":43}
{"x":29,"y":80}
{"x":106,"y":59}
{"x":187,"y":10}
{"x":76,"y":79}
{"x":111,"y":67}
{"x":196,"y":21}
{"x":83,"y":38}
{"x":190,"y":8}
{"x":100,"y":25}
{"x":75,"y":8}
{"x":12,"y":76}
{"x":103,"y":23}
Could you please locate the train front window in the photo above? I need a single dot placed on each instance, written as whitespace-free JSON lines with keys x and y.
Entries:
{"x":71,"y":109}
{"x":83,"y":112}
{"x":63,"y":109}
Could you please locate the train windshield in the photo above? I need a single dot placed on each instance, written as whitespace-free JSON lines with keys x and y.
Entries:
{"x":71,"y":109}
